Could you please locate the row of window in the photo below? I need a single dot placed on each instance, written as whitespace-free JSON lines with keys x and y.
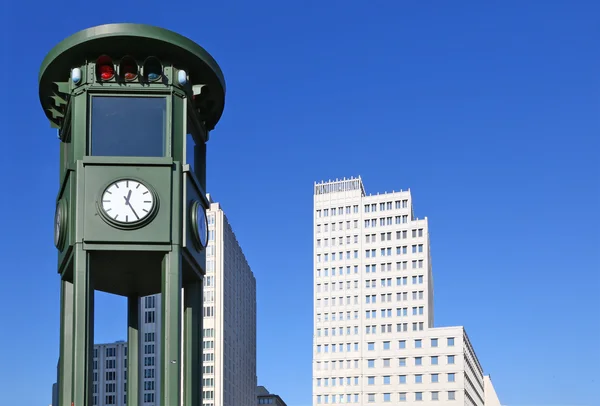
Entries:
{"x":400,"y":312}
{"x":385,"y":397}
{"x":369,"y":283}
{"x":337,"y":211}
{"x":368,"y":208}
{"x":369,"y":299}
{"x":400,"y":297}
{"x":400,"y":328}
{"x":384,"y":252}
{"x":392,"y":379}
{"x":400,"y":235}
{"x":326,"y":227}
{"x":149,"y":316}
{"x":340,"y":241}
{"x":369,"y":268}
{"x":372,"y":329}
{"x":382,"y":362}
{"x":387,"y":362}
{"x":398,"y":204}
{"x":109,"y":376}
{"x":208,"y":311}
{"x":370,"y":223}
{"x":150,"y":302}
{"x":109,"y":352}
{"x":112,"y":387}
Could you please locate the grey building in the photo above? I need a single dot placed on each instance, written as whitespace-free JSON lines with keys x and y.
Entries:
{"x":264,"y":397}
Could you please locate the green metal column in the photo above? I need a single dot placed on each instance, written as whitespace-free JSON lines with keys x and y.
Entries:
{"x":171,"y":328}
{"x":65,"y":361}
{"x":133,"y":336}
{"x":193,"y":344}
{"x":83,"y":334}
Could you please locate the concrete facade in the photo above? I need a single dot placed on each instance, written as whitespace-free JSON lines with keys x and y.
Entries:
{"x":109,"y":375}
{"x":491,"y":399}
{"x":229,"y":330}
{"x":374,"y":335}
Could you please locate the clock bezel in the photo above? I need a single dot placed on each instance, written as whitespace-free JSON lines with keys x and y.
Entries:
{"x":196,"y":206}
{"x":134,"y":224}
{"x":60,"y":224}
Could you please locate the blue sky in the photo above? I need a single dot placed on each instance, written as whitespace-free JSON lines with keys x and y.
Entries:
{"x":488,"y":113}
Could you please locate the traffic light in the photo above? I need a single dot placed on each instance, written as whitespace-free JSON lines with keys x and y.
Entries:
{"x":128,"y":69}
{"x":105,"y":68}
{"x":152,"y":69}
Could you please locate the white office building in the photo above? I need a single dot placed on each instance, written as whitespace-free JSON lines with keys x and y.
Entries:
{"x":109,"y":376}
{"x":374,"y":335}
{"x":229,"y":329}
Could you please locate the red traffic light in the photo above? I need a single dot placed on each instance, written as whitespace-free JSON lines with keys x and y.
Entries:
{"x":128,"y":69}
{"x":105,"y":68}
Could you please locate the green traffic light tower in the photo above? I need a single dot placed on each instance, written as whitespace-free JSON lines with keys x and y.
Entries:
{"x":133,"y":105}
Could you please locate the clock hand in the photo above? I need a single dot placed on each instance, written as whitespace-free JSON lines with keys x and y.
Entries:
{"x":133,"y":210}
{"x":128,"y":197}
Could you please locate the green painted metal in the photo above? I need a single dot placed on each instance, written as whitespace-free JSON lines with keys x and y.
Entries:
{"x":159,"y":256}
{"x":129,"y":39}
{"x":171,"y":329}
{"x":65,"y":362}
{"x":193,"y":348}
{"x":133,"y":356}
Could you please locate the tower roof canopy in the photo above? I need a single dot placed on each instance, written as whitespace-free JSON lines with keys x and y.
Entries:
{"x":137,"y":40}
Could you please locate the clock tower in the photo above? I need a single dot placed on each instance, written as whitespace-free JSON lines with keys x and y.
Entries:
{"x":134,"y":106}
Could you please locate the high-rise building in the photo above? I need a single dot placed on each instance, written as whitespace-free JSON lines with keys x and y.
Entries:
{"x":109,"y":374}
{"x":229,"y":332}
{"x":374,"y":335}
{"x":229,"y":324}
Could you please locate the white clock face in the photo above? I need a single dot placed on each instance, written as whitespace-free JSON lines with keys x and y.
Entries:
{"x":127,"y":201}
